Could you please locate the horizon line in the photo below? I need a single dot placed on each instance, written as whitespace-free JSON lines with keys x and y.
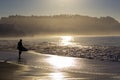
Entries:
{"x":68,"y":14}
{"x":52,"y":15}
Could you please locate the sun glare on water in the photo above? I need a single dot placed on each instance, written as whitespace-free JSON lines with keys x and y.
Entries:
{"x":66,"y":40}
{"x":57,"y":76}
{"x":60,"y":62}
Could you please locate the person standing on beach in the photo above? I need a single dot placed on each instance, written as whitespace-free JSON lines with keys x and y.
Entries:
{"x":21,"y":48}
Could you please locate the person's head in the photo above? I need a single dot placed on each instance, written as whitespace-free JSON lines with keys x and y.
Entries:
{"x":20,"y":40}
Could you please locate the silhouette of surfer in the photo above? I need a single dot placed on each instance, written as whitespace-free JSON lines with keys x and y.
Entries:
{"x":21,"y":48}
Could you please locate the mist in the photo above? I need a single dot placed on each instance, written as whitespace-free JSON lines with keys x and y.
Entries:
{"x":17,"y":25}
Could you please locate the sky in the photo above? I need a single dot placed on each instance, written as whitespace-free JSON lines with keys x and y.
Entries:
{"x":95,"y":8}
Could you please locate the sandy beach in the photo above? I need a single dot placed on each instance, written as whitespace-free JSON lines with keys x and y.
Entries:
{"x":10,"y":67}
{"x":9,"y":71}
{"x":36,"y":66}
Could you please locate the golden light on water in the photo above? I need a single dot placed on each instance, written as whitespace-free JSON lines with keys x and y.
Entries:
{"x":66,"y":40}
{"x":57,"y":76}
{"x":60,"y":62}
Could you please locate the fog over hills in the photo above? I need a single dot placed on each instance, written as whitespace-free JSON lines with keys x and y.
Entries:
{"x":17,"y":25}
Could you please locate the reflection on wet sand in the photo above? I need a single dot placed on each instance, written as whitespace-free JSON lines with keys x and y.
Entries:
{"x":48,"y":67}
{"x":56,"y":76}
{"x":60,"y":62}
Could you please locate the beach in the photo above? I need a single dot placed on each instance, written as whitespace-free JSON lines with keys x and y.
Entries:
{"x":59,"y":39}
{"x":54,"y":60}
{"x":37,"y":66}
{"x":9,"y":71}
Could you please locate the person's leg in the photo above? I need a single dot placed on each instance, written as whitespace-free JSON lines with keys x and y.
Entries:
{"x":20,"y":54}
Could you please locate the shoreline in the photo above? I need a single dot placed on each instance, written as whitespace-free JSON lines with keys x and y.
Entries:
{"x":35,"y":66}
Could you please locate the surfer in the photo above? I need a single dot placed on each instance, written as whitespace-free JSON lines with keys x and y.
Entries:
{"x":21,"y":48}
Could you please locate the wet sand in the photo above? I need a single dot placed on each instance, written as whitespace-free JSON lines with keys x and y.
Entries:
{"x":36,"y":66}
{"x":10,"y":71}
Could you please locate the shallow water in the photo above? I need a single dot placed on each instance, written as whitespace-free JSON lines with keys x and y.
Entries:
{"x":102,"y":48}
{"x":37,"y":43}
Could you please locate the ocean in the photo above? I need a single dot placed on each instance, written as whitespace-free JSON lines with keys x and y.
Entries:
{"x":103,"y":48}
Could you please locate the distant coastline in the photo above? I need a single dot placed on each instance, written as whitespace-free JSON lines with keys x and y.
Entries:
{"x":20,"y":26}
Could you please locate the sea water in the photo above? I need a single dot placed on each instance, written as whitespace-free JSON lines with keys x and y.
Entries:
{"x":103,"y":48}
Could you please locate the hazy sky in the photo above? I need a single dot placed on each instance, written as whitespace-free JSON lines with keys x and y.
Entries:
{"x":51,"y":7}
